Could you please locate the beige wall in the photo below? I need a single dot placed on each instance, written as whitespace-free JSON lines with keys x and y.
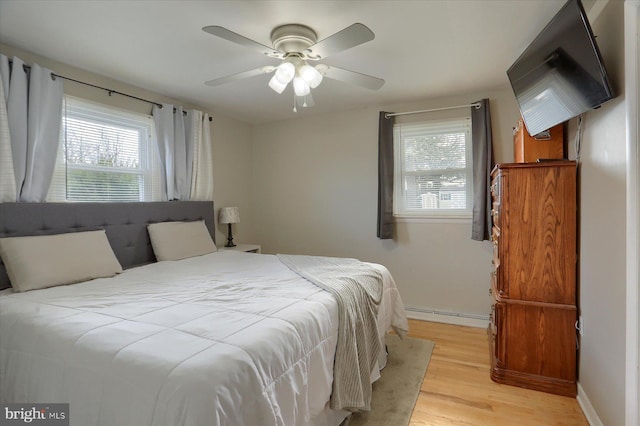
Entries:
{"x":309,"y":185}
{"x":232,"y":176}
{"x":602,"y":234}
{"x":231,"y":139}
{"x":315,"y":192}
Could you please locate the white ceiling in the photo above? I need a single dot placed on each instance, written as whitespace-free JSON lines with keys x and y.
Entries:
{"x":423,"y":49}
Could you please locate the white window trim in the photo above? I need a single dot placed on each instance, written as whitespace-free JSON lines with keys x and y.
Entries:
{"x":431,"y":215}
{"x":433,"y":219}
{"x":151,"y":179}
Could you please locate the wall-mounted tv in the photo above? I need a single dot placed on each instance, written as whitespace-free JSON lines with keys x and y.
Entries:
{"x":561,"y":74}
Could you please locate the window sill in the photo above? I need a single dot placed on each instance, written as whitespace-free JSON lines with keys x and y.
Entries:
{"x":433,"y":219}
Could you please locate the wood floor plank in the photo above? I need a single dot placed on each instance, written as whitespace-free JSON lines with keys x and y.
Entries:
{"x":457,"y":390}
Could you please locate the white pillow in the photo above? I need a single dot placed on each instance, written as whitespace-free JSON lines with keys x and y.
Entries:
{"x":179,"y":240}
{"x":49,"y":260}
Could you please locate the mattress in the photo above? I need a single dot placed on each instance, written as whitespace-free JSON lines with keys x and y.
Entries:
{"x":227,"y":338}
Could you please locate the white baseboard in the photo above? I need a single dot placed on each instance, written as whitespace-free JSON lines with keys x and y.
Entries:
{"x":587,"y":408}
{"x":456,"y":318}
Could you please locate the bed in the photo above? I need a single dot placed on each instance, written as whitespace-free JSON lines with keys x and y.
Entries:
{"x":225,"y":338}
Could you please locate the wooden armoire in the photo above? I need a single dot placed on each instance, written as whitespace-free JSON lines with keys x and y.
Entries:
{"x":532,"y":331}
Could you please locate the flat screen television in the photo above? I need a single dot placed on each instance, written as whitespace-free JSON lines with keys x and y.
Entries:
{"x":561,"y":74}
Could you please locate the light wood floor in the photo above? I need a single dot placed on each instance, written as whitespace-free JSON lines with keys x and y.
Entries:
{"x":457,"y":389}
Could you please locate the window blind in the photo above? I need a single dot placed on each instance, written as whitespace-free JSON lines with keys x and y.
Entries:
{"x":433,"y":168}
{"x":106,"y":155}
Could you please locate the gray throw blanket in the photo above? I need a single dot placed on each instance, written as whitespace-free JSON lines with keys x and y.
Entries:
{"x":357,"y":287}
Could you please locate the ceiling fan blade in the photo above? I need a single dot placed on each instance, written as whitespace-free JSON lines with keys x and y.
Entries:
{"x":349,"y":37}
{"x":229,"y":35}
{"x":239,"y":76}
{"x":362,"y":80}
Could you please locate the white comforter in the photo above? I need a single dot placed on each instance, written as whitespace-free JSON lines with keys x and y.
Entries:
{"x":223,"y":339}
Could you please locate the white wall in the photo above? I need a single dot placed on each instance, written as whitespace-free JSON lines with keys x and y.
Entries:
{"x":602,"y":234}
{"x":315,"y":192}
{"x":231,"y":139}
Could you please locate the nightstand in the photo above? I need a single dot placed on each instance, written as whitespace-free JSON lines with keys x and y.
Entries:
{"x":248,"y":248}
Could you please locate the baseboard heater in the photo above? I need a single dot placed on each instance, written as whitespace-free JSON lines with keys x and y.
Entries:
{"x":446,"y":313}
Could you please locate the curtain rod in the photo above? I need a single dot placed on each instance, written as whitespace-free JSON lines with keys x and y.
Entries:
{"x":109,"y":91}
{"x":476,"y":105}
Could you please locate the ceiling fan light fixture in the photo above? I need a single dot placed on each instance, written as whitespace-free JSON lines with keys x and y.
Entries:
{"x":301,"y":87}
{"x":310,"y":75}
{"x":285,"y":72}
{"x":276,"y":85}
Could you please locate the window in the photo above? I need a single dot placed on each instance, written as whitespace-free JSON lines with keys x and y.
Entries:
{"x":105,"y":154}
{"x":433,"y":169}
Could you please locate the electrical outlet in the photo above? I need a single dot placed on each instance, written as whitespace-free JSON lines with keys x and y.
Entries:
{"x":580,"y":325}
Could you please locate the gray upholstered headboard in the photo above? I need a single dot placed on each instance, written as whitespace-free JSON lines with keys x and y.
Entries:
{"x":125,"y":223}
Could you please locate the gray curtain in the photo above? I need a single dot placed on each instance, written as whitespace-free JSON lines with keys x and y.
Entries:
{"x":190,"y":129}
{"x":7,"y":176}
{"x":34,"y":113}
{"x":176,"y":151}
{"x":385,"y":176}
{"x":482,"y":151}
{"x":15,"y":81}
{"x":201,"y":162}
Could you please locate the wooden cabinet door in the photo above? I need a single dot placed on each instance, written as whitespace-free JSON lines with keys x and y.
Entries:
{"x":534,"y":347}
{"x":541,"y":340}
{"x":538,"y":233}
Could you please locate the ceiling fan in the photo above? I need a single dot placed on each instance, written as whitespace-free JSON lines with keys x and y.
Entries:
{"x":296,"y":45}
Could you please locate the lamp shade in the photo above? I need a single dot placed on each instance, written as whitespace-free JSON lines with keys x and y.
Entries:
{"x":229,"y":215}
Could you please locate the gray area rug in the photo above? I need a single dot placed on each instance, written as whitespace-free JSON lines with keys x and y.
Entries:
{"x":396,"y":392}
